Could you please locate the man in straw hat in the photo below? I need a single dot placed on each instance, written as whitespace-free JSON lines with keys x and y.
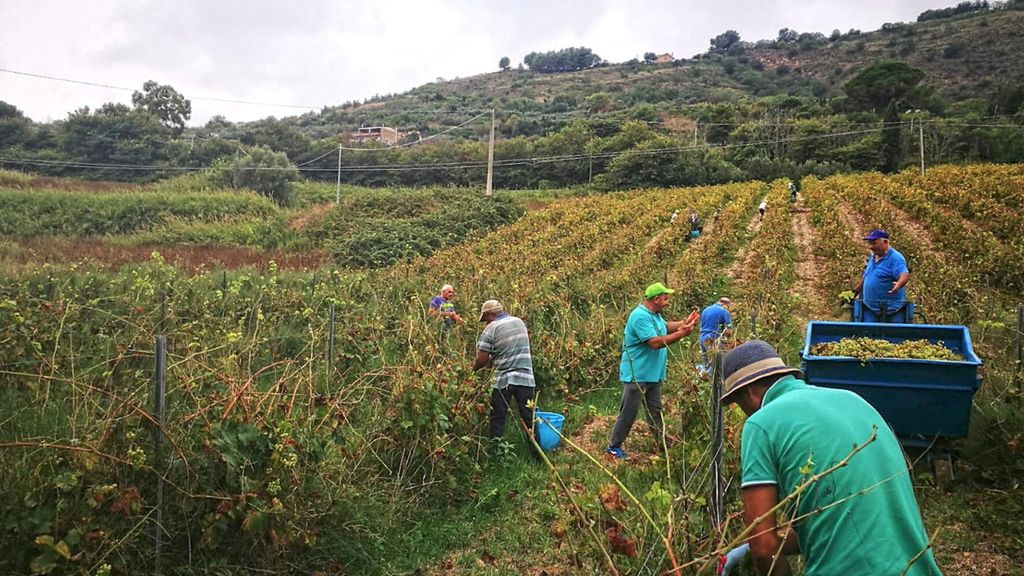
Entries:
{"x":504,"y":344}
{"x":643,"y":365}
{"x":860,"y":518}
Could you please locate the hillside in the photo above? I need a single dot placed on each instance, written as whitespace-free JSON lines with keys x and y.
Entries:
{"x":962,"y":56}
{"x":740,"y":111}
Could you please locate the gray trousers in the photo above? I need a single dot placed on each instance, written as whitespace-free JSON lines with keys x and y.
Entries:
{"x":633,"y":395}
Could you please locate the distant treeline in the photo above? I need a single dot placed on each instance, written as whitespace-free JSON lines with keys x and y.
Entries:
{"x":961,"y":8}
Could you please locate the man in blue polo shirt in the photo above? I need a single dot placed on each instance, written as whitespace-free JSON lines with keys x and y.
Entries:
{"x":715,"y":323}
{"x":644,"y":364}
{"x":881,"y":286}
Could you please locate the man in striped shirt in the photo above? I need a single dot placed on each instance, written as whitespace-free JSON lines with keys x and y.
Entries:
{"x":504,"y":344}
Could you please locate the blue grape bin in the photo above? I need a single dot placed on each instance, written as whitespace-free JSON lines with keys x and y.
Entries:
{"x":929,"y":398}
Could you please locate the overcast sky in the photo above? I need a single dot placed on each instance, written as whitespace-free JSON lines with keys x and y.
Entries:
{"x":319,"y":52}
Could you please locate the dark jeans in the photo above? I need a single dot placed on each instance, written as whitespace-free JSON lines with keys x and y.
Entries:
{"x":633,"y":395}
{"x":501,"y":404}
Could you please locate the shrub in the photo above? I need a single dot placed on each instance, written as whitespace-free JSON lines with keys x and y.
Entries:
{"x":263,"y":170}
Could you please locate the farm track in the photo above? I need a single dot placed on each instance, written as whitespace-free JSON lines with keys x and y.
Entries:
{"x":743,"y":258}
{"x":814,"y":304}
{"x":314,"y":215}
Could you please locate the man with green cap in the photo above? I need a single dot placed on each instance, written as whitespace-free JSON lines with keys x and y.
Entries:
{"x":861,"y":517}
{"x":643,"y":365}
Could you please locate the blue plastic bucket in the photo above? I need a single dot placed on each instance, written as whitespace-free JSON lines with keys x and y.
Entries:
{"x":546,"y":437}
{"x":694,"y":233}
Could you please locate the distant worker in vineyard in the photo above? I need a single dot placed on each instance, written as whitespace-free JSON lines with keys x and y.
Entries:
{"x":675,"y":216}
{"x":762,"y":207}
{"x":881,"y":286}
{"x":442,"y":308}
{"x":504,"y":345}
{"x":792,"y":191}
{"x":695,"y":226}
{"x":644,"y":362}
{"x":861,"y":517}
{"x":715,"y":324}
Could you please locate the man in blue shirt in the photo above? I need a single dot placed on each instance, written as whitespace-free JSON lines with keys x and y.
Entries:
{"x":442,"y":307}
{"x":644,"y":364}
{"x":881,"y":286}
{"x":715,"y":323}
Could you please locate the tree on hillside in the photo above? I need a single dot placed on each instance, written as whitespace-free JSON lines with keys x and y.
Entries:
{"x":279,"y":135}
{"x":886,"y":87}
{"x":787,"y":36}
{"x":599,"y":102}
{"x":217,"y":124}
{"x":722,"y":43}
{"x":961,"y":8}
{"x":504,"y":63}
{"x":261,"y":169}
{"x":1006,"y":99}
{"x":14,"y":126}
{"x":650,"y":57}
{"x":165,"y":103}
{"x":880,"y":84}
{"x":565,"y":60}
{"x":114,"y":134}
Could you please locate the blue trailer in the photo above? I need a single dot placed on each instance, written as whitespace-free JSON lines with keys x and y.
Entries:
{"x":918,"y":398}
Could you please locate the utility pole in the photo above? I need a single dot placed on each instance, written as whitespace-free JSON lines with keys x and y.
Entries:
{"x":490,"y":159}
{"x":920,"y":142}
{"x":696,"y":126}
{"x":337,"y":191}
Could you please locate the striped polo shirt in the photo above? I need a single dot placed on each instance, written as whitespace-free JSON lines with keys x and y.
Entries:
{"x":508,"y":343}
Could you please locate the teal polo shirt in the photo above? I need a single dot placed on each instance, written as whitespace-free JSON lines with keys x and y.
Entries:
{"x":878,"y":279}
{"x":640,"y":362}
{"x":842,"y":530}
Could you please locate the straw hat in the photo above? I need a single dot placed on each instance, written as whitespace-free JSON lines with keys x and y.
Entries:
{"x":750,"y":362}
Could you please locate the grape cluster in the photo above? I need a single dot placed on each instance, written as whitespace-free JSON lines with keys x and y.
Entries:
{"x":865,"y":348}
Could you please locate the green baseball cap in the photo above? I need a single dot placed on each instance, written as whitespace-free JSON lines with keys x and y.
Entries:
{"x":657,"y":289}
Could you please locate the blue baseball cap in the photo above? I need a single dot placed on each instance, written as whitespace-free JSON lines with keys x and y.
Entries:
{"x":876,"y":234}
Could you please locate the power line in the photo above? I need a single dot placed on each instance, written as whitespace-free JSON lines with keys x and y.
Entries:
{"x":444,"y":165}
{"x":125,"y":88}
{"x":507,"y":162}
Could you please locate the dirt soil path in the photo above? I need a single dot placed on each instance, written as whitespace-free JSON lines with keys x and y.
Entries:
{"x":809,"y":265}
{"x":592,"y":438}
{"x":314,"y":214}
{"x":742,"y":260}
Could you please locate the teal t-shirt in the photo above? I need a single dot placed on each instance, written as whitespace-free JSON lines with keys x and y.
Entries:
{"x":860,"y":519}
{"x":640,"y":362}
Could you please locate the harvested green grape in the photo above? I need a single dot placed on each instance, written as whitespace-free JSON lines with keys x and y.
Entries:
{"x":865,"y":348}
